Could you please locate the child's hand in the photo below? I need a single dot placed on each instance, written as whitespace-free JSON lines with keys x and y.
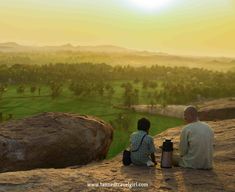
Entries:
{"x":150,"y":163}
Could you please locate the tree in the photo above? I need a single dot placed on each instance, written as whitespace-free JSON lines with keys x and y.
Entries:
{"x":56,"y":89}
{"x":1,"y":117}
{"x":33,"y":88}
{"x":3,"y":89}
{"x":20,"y":89}
{"x":110,"y":93}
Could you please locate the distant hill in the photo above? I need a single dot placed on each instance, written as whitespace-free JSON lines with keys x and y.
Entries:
{"x":11,"y":53}
{"x":14,"y":47}
{"x":9,"y":44}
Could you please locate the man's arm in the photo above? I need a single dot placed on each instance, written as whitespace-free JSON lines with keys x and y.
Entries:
{"x":183,"y":146}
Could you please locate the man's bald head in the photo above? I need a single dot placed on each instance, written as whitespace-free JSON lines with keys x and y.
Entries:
{"x":190,"y":114}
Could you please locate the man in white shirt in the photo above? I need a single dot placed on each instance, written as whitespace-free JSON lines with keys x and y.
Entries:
{"x":196,"y":142}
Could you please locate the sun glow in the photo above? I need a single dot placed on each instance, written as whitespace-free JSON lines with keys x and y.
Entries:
{"x":150,"y":5}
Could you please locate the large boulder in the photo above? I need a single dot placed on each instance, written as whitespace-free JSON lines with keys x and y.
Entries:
{"x":170,"y":110}
{"x":53,"y":140}
{"x":217,"y":109}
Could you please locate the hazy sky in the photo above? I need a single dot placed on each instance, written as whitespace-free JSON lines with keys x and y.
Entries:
{"x":196,"y":27}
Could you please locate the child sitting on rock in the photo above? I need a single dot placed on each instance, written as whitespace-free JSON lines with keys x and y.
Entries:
{"x":142,"y":145}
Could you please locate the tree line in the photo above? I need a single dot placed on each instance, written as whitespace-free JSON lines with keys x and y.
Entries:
{"x":164,"y":85}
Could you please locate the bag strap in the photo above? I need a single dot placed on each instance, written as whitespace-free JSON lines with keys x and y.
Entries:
{"x":139,"y":144}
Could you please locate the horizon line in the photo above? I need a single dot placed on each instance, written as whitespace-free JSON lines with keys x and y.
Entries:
{"x":119,"y":46}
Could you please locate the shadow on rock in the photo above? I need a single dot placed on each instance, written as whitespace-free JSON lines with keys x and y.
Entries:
{"x":179,"y":179}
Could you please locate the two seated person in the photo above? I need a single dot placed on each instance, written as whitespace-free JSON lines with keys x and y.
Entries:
{"x":195,"y":147}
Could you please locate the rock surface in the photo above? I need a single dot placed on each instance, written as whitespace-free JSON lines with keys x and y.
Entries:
{"x":219,"y":109}
{"x":53,"y":140}
{"x":170,"y":110}
{"x":74,"y":179}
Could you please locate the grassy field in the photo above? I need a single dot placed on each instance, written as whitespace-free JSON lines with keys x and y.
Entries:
{"x":26,"y":105}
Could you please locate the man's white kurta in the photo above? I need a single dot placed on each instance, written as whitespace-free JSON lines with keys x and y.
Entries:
{"x":196,"y":146}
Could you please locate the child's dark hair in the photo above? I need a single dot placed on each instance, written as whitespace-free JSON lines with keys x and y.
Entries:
{"x":143,"y":124}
